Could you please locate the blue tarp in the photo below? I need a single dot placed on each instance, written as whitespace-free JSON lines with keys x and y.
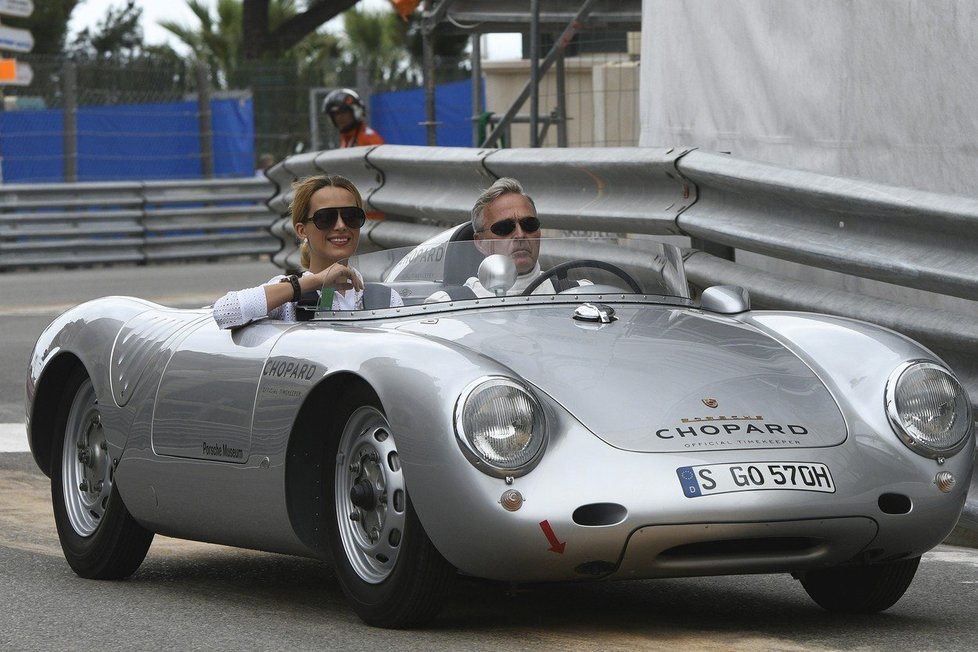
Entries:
{"x":398,"y":115}
{"x":32,"y":146}
{"x":162,"y":141}
{"x":128,"y":142}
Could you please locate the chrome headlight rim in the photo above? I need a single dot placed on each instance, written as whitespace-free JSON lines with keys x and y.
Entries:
{"x":896,"y":421}
{"x":465,"y":443}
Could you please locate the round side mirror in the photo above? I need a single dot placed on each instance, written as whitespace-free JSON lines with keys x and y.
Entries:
{"x":497,"y":273}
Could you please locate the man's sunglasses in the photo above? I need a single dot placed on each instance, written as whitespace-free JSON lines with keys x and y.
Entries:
{"x":325,"y":218}
{"x":505,"y":227}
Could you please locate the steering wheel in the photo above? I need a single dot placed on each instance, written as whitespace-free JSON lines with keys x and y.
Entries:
{"x":560,"y":272}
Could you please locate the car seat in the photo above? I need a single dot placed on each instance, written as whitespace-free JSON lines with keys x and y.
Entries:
{"x":462,"y":258}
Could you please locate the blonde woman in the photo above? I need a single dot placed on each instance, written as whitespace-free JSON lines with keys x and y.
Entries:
{"x":327,"y":213}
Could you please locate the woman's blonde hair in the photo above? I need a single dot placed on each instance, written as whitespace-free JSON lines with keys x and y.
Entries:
{"x":302,"y":192}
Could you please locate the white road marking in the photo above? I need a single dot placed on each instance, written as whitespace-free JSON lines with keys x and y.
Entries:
{"x":53,"y":310}
{"x":953,"y":556}
{"x":13,"y":438}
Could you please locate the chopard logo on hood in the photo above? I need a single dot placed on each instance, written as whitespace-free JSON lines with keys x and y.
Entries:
{"x":726,"y":426}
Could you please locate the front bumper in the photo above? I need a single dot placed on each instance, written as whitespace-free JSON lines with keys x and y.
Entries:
{"x":591,"y":511}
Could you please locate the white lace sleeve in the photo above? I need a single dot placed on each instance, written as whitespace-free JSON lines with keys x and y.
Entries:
{"x":244,"y":306}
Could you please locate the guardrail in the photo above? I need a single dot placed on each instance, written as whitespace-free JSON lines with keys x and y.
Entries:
{"x":93,"y":223}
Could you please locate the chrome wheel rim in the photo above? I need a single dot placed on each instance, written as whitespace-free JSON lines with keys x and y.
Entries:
{"x":86,"y":470}
{"x":369,"y":495}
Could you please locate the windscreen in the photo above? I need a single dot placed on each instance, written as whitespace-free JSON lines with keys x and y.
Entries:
{"x":444,"y":271}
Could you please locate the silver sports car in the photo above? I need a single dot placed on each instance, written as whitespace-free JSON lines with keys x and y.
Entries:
{"x":594,"y":423}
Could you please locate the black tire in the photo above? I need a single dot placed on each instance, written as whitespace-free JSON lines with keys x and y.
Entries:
{"x":394,"y":577}
{"x":860,"y":589}
{"x":99,"y":537}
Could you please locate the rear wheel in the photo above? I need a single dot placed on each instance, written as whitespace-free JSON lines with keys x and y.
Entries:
{"x":860,"y":589}
{"x":99,"y":537}
{"x":385,"y":562}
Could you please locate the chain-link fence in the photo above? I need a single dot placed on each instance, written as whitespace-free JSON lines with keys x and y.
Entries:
{"x":144,"y":119}
{"x":99,"y":83}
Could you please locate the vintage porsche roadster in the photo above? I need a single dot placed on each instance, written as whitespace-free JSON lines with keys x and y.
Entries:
{"x":601,"y":424}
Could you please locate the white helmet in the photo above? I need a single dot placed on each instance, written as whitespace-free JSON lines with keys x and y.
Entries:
{"x":344,"y":99}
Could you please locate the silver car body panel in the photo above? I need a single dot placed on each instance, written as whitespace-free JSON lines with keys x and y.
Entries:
{"x":201,"y":421}
{"x":620,"y":379}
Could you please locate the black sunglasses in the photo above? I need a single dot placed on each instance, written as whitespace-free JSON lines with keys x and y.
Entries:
{"x":505,"y":227}
{"x":325,"y":218}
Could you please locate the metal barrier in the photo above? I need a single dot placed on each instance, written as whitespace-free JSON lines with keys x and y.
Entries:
{"x":92,"y":223}
{"x":898,"y":235}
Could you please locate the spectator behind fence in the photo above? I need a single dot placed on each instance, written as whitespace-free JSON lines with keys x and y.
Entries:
{"x":265,"y":161}
{"x":345,"y":108}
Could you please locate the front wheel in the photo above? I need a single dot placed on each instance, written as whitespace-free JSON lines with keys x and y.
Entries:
{"x":860,"y":589}
{"x":386,"y":564}
{"x":99,"y":537}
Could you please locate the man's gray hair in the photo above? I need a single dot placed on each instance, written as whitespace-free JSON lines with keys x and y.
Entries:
{"x":502,"y":187}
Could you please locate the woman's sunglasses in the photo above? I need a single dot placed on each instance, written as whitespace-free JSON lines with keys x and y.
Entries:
{"x":325,"y":218}
{"x":505,"y":227}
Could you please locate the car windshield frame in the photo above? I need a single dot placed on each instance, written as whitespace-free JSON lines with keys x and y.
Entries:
{"x":420,"y":273}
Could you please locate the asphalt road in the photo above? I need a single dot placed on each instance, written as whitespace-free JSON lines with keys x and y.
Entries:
{"x":194,"y":596}
{"x":198,"y":596}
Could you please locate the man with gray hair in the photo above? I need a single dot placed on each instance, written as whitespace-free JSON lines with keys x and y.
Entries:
{"x":504,"y":221}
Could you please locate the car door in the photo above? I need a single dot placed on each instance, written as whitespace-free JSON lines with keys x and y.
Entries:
{"x":206,"y":398}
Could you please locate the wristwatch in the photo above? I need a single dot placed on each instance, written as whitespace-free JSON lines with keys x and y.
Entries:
{"x":296,"y":288}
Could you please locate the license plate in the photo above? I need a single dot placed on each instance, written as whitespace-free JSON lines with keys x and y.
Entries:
{"x":710,"y":479}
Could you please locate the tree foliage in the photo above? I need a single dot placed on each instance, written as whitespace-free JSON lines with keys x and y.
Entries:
{"x":218,"y":41}
{"x":114,"y":65}
{"x":374,"y":42}
{"x":388,"y":50}
{"x":451,"y":50}
{"x":266,"y":38}
{"x":117,"y":36}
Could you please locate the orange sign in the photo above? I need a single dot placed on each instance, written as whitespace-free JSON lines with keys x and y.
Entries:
{"x":8,"y":69}
{"x":405,"y":8}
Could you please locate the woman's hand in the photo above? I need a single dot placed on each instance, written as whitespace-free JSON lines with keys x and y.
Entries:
{"x":340,"y":277}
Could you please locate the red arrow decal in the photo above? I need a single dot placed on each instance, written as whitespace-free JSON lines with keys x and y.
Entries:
{"x":555,"y":546}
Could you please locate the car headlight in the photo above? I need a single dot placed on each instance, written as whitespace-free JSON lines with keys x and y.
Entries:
{"x":500,"y":426}
{"x":928,"y":408}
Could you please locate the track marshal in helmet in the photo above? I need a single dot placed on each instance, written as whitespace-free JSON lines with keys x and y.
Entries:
{"x":347,"y":111}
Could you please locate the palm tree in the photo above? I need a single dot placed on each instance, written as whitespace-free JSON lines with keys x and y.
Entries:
{"x":216,"y":43}
{"x":376,"y":42}
{"x":389,"y":49}
{"x":278,"y":81}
